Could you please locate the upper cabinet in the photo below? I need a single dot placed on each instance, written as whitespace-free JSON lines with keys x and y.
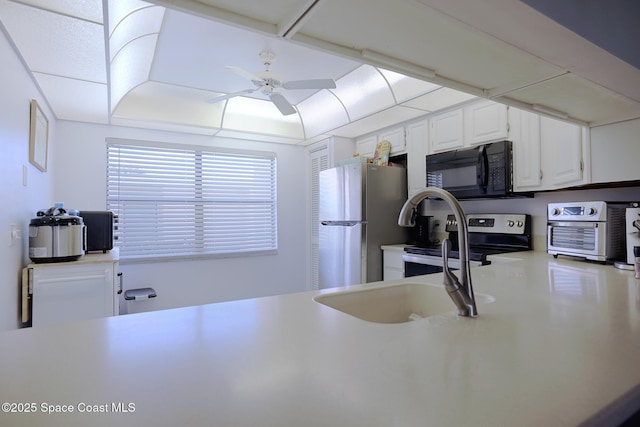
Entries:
{"x":396,"y":136}
{"x":417,"y":143}
{"x":477,"y":123}
{"x":547,"y":153}
{"x":484,"y":122}
{"x":447,"y":130}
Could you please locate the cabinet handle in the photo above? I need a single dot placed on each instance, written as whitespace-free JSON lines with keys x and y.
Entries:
{"x":120,"y":280}
{"x":541,"y":175}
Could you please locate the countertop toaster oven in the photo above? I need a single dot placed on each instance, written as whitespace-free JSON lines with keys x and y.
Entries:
{"x":590,"y":230}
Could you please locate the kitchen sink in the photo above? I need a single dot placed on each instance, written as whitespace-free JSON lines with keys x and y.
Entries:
{"x":397,"y":303}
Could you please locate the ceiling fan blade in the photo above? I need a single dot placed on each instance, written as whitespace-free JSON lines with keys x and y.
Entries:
{"x":246,"y":74}
{"x":310,"y":84}
{"x":282,"y":104}
{"x":229,"y":95}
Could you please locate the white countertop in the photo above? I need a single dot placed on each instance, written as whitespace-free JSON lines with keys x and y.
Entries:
{"x":560,"y":346}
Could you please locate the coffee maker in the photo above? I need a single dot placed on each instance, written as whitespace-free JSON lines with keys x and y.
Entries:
{"x":631,"y":237}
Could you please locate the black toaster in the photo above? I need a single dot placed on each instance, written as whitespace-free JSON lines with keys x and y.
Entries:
{"x":99,"y":228}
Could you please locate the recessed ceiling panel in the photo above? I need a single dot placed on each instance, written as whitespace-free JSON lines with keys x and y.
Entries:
{"x":89,"y":10}
{"x":416,"y":34}
{"x":438,"y":99}
{"x":76,"y":100}
{"x":377,"y":121}
{"x":158,"y":102}
{"x":565,"y":93}
{"x":56,"y":44}
{"x":321,"y":113}
{"x":260,"y":116}
{"x":404,"y":87}
{"x":139,"y":23}
{"x":273,"y":12}
{"x":194,"y":52}
{"x":363,"y":92}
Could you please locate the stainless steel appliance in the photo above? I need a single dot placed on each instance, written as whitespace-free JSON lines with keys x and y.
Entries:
{"x":99,"y":226}
{"x":489,"y":234}
{"x":631,"y":237}
{"x":482,"y":171}
{"x":55,"y":236}
{"x":359,"y":206}
{"x":590,"y":230}
{"x":632,"y":228}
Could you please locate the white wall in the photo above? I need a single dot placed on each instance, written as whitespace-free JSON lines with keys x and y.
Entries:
{"x":80,"y":182}
{"x":19,"y":202}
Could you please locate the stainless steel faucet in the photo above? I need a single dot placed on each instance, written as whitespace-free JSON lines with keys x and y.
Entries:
{"x":460,"y":293}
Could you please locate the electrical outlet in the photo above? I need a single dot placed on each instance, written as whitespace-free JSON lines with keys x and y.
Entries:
{"x":16,"y":234}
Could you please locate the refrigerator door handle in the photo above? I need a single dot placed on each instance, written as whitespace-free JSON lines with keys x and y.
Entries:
{"x":342,"y":223}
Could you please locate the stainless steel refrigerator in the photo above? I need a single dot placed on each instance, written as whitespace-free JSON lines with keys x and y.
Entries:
{"x":359,"y":206}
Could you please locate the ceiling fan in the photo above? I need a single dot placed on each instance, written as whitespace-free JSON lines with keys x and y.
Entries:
{"x":266,"y":82}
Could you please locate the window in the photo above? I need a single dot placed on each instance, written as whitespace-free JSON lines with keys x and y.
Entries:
{"x":185,"y":201}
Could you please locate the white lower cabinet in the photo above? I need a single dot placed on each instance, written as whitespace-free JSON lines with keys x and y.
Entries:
{"x":69,"y":291}
{"x":392,"y":262}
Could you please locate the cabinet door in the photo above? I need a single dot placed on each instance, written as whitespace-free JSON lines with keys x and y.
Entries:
{"x":447,"y":130}
{"x":72,"y":292}
{"x":525,"y":133}
{"x":417,"y":140}
{"x":562,"y":152}
{"x":393,"y":264}
{"x":397,"y":139}
{"x":484,"y":122}
{"x":367,"y":146}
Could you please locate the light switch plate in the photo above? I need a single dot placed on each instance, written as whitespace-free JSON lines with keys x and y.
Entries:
{"x":16,"y":234}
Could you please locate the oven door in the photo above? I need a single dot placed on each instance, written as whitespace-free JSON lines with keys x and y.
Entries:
{"x":577,"y":238}
{"x":417,"y":265}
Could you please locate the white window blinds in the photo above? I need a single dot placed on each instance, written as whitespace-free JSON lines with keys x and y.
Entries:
{"x":178,"y":201}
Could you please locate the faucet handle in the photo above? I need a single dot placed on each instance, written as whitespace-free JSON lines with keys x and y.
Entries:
{"x":453,"y":286}
{"x":451,"y":282}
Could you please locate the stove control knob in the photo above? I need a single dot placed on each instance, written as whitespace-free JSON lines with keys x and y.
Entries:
{"x":592,"y":211}
{"x":510,"y":223}
{"x":520,"y":224}
{"x":556,"y":211}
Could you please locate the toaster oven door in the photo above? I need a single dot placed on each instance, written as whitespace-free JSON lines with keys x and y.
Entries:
{"x":577,"y":238}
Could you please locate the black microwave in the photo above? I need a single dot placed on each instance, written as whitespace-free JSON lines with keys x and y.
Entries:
{"x":481,"y":171}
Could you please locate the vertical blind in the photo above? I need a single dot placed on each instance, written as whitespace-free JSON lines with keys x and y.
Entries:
{"x":176,"y":201}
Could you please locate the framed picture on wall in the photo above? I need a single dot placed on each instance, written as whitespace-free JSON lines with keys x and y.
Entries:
{"x":38,"y":137}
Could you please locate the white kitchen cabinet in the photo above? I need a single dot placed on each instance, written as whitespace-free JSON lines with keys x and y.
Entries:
{"x":396,"y":136}
{"x":485,"y":121}
{"x":564,"y":153}
{"x":68,"y":291}
{"x":524,"y":132}
{"x":366,"y":146}
{"x":417,"y":149}
{"x":392,"y":262}
{"x":547,"y":153}
{"x":446,"y":130}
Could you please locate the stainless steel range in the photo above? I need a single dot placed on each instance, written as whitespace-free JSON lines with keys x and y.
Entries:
{"x":489,"y":234}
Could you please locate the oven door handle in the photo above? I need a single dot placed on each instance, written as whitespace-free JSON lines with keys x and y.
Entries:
{"x":435,"y":261}
{"x":421,"y":259}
